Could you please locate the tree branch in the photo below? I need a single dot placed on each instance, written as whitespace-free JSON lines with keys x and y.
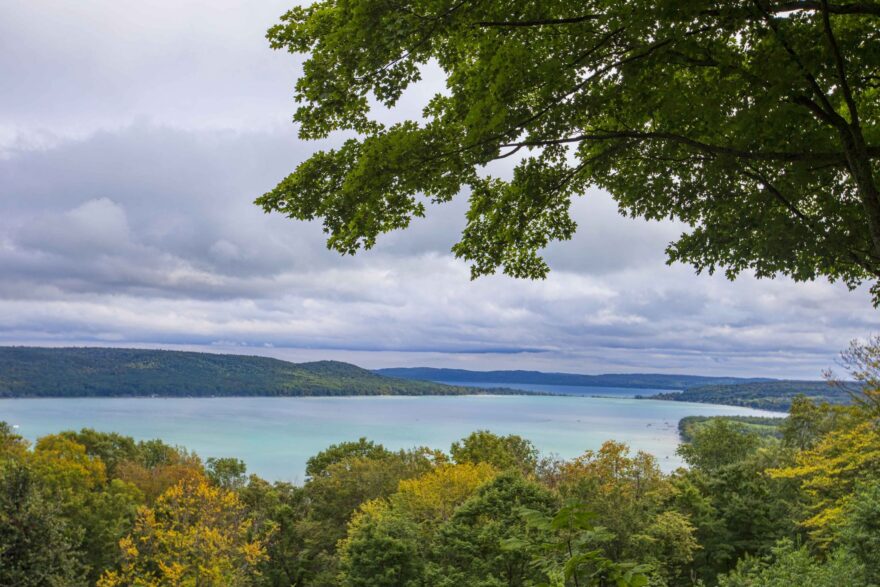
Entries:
{"x":828,"y":109}
{"x":793,"y":157}
{"x":538,"y":22}
{"x":840,"y":65}
{"x":811,"y":224}
{"x":867,"y":8}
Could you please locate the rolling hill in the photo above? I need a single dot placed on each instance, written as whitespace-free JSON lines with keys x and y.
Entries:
{"x":116,"y":372}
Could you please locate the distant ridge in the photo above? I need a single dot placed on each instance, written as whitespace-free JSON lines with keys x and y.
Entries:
{"x":759,"y":393}
{"x":768,"y":395}
{"x":632,"y":380}
{"x":116,"y":372}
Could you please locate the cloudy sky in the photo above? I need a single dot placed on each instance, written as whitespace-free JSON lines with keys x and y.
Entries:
{"x":134,"y":137}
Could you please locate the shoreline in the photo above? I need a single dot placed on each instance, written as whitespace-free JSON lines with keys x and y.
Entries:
{"x":759,"y":411}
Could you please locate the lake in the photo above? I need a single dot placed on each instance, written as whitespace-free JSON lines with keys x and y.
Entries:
{"x":587,"y":390}
{"x":275,"y":436}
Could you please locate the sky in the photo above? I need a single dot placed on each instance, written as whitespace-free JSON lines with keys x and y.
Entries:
{"x":134,"y":137}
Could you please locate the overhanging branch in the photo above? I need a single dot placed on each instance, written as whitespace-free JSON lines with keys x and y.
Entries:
{"x":792,"y":157}
{"x":537,"y":22}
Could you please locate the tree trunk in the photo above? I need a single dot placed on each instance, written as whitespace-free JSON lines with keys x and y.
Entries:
{"x":859,"y":163}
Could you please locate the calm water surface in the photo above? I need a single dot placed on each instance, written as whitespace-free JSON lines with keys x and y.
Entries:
{"x":591,"y":390}
{"x":275,"y":436}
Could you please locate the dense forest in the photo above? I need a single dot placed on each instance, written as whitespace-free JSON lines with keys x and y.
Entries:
{"x":118,"y":372}
{"x":109,"y":372}
{"x":690,"y":426}
{"x":755,"y":392}
{"x":765,"y":395}
{"x":750,"y":510}
{"x":633,"y":380}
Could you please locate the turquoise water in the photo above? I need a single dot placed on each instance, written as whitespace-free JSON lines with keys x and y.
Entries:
{"x":275,"y":436}
{"x":588,"y":390}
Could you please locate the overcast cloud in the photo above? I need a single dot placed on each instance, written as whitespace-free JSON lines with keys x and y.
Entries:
{"x":134,"y":138}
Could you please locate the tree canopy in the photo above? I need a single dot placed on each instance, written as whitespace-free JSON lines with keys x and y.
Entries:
{"x":801,"y":510}
{"x":755,"y":122}
{"x":801,"y":507}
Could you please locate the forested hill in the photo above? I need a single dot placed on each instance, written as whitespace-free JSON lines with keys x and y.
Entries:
{"x":760,"y":393}
{"x":766,"y":395}
{"x":633,"y":380}
{"x":111,"y":372}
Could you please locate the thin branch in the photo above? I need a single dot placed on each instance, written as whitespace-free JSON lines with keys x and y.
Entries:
{"x":406,"y":53}
{"x":839,"y":63}
{"x":513,"y":151}
{"x":829,"y":110}
{"x":857,"y":8}
{"x":538,"y":22}
{"x":811,"y":224}
{"x":867,"y":8}
{"x":520,"y":125}
{"x":598,"y":45}
{"x":817,"y":110}
{"x":707,"y":147}
{"x":768,"y":185}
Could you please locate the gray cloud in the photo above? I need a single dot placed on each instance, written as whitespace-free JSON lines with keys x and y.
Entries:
{"x":131,"y":149}
{"x":78,"y":66}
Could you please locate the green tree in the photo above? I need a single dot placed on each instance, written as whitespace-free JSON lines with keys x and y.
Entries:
{"x":389,"y":540}
{"x":37,"y":545}
{"x":335,"y":494}
{"x":756,"y":123}
{"x":720,"y":442}
{"x":502,"y":452}
{"x":12,"y":445}
{"x":382,"y":549}
{"x":228,"y":473}
{"x":667,"y":545}
{"x":790,"y":565}
{"x":830,"y":473}
{"x":106,"y":516}
{"x":470,"y":549}
{"x":317,"y":465}
{"x":110,"y":447}
{"x":155,"y":453}
{"x":277,"y":510}
{"x":807,"y":422}
{"x":862,"y":363}
{"x":568,"y":550}
{"x":624,"y":491}
{"x":738,"y":509}
{"x":102,"y":509}
{"x":860,"y":531}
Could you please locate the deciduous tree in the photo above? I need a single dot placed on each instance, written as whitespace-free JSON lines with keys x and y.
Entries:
{"x":469,"y":548}
{"x":38,"y":547}
{"x":389,"y":540}
{"x":830,"y":473}
{"x":502,"y":452}
{"x":719,"y":443}
{"x":195,"y":534}
{"x":755,"y":122}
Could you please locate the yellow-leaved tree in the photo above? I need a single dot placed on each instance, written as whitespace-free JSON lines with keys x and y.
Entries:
{"x":196,"y":534}
{"x":387,"y":539}
{"x":433,"y":497}
{"x":833,"y":467}
{"x":831,"y":471}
